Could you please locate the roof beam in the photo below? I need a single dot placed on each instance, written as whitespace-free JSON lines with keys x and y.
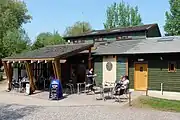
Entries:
{"x":30,"y":76}
{"x":24,"y":59}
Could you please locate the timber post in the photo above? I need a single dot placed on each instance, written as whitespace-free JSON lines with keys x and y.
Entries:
{"x":30,"y":76}
{"x":58,"y":69}
{"x":54,"y":69}
{"x":127,"y":67}
{"x":89,"y":59}
{"x":6,"y":69}
{"x":10,"y":69}
{"x":130,"y":104}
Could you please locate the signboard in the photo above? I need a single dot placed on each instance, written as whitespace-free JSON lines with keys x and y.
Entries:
{"x":62,"y":61}
{"x":55,"y":92}
{"x":140,"y":60}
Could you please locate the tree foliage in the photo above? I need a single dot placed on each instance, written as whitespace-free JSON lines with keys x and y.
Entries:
{"x":78,"y":28}
{"x":172,"y":26}
{"x":13,"y":39}
{"x":47,"y":38}
{"x":122,"y":15}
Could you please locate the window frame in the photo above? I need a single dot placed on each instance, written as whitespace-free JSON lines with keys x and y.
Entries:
{"x":123,"y":37}
{"x":99,"y":39}
{"x":169,"y":66}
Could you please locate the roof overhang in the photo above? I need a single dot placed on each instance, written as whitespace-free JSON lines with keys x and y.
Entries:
{"x":66,"y":53}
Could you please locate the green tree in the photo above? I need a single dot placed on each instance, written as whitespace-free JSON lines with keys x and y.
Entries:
{"x":78,"y":28}
{"x":47,"y":38}
{"x":172,"y":26}
{"x":122,"y":15}
{"x":13,"y":14}
{"x":15,"y":41}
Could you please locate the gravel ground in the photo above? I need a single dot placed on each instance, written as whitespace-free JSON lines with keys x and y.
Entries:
{"x":18,"y":112}
{"x":11,"y":111}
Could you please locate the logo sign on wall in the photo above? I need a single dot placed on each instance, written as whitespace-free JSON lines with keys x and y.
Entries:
{"x":109,"y":66}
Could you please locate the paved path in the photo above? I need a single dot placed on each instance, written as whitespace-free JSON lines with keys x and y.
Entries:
{"x":72,"y":100}
{"x":16,"y":107}
{"x":166,"y":95}
{"x":19,"y":112}
{"x":3,"y":85}
{"x":19,"y":107}
{"x":41,"y":99}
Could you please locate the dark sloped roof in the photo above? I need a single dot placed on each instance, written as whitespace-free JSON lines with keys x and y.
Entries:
{"x":169,"y":44}
{"x":54,"y":51}
{"x":116,"y":47}
{"x":117,"y":30}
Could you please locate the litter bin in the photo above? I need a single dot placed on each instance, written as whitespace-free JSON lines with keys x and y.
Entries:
{"x":55,"y":92}
{"x":27,"y":89}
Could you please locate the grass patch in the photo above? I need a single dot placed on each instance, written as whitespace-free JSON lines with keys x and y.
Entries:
{"x":157,"y":103}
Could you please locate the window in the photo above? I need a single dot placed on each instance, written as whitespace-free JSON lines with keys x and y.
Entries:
{"x":79,"y":41}
{"x":98,"y":39}
{"x":141,"y":69}
{"x":118,"y":37}
{"x":75,"y":41}
{"x":109,"y":66}
{"x":82,"y":41}
{"x":123,"y":37}
{"x":172,"y":67}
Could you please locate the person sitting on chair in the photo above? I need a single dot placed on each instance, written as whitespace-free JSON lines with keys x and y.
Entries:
{"x":118,"y":85}
{"x":122,"y":85}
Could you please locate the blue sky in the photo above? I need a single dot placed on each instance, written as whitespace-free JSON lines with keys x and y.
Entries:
{"x":50,"y":15}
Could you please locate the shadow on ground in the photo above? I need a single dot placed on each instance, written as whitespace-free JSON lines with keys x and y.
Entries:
{"x":14,"y":112}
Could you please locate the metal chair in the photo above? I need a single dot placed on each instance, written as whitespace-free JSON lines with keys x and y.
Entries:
{"x":122,"y":92}
{"x":70,"y":86}
{"x":16,"y":85}
{"x":88,"y":85}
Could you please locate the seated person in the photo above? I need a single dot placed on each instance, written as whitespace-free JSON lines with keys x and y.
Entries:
{"x":125,"y":82}
{"x":122,"y":85}
{"x":118,"y":84}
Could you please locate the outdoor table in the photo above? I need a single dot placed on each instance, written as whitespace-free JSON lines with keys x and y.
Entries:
{"x":79,"y":87}
{"x":110,"y":87}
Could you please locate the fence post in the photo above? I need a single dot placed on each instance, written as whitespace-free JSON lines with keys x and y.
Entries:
{"x":162,"y":88}
{"x":146,"y":92}
{"x":130,"y":99}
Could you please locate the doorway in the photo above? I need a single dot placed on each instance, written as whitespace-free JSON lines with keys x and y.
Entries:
{"x":140,"y":76}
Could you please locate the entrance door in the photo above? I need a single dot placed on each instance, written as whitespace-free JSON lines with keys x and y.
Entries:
{"x":140,"y":76}
{"x":109,"y":69}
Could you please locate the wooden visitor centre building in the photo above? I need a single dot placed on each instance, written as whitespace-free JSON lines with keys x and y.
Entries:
{"x":139,"y":52}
